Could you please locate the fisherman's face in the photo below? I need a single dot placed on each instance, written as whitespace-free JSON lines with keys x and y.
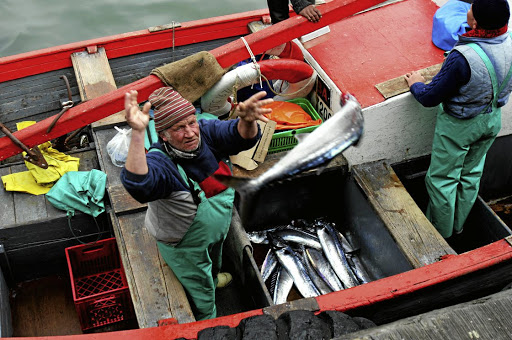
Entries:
{"x":471,"y":18}
{"x":184,"y":135}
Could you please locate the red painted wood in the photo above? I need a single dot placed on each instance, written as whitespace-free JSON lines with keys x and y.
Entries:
{"x":226,"y":55}
{"x":55,"y":58}
{"x":414,"y":280}
{"x":287,"y":30}
{"x":367,"y":49}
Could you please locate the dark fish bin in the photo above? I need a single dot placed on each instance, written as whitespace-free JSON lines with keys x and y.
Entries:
{"x":332,"y":196}
{"x":483,"y":226}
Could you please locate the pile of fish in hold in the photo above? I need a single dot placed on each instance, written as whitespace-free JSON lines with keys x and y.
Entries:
{"x":313,"y":256}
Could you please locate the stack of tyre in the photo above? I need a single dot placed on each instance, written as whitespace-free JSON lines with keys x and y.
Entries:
{"x":298,"y":324}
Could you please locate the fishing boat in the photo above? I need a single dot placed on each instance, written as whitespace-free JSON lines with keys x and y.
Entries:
{"x":373,"y":190}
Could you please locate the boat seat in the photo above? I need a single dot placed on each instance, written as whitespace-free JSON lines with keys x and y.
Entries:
{"x":414,"y":234}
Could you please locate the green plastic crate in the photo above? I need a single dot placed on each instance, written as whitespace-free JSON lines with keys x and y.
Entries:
{"x":285,"y":140}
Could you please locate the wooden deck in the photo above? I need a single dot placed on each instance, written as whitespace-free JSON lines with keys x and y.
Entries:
{"x":484,"y":318}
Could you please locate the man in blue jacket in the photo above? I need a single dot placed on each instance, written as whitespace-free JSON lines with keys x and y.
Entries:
{"x":471,"y":87}
{"x":189,"y":213}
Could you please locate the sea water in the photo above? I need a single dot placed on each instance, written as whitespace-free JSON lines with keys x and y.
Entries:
{"x":28,"y":25}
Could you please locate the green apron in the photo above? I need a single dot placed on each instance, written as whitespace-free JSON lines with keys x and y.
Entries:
{"x":459,"y":149}
{"x":197,"y":258}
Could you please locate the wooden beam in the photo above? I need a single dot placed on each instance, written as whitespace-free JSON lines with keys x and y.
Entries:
{"x":227,"y":55}
{"x":414,"y":234}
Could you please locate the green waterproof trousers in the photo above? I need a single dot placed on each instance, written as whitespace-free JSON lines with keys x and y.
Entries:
{"x":458,"y":157}
{"x":197,"y":258}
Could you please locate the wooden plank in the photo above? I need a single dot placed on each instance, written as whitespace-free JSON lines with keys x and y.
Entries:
{"x":123,"y":202}
{"x":48,"y":304}
{"x":486,"y":318}
{"x":94,"y":78}
{"x":6,"y":202}
{"x":412,"y":231}
{"x":156,"y":293}
{"x":398,"y":85}
{"x":93,"y":74}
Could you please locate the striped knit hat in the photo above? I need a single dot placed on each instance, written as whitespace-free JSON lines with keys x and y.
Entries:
{"x":170,"y":107}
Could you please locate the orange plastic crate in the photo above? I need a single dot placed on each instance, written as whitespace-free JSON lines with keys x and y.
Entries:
{"x":99,"y":285}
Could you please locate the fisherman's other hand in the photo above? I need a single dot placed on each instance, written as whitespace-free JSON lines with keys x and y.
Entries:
{"x":252,"y":109}
{"x":414,"y":77}
{"x":311,"y":13}
{"x":137,"y":119}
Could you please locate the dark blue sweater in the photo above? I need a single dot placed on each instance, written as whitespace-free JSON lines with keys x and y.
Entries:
{"x":219,"y":139}
{"x":454,"y":74}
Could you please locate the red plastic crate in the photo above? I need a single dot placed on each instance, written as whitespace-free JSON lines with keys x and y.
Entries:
{"x":99,"y":285}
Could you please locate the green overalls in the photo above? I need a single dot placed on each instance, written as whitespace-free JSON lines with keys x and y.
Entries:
{"x":459,"y":149}
{"x":197,"y":258}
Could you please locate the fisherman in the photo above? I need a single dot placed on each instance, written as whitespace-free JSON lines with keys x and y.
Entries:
{"x":189,"y":213}
{"x":279,"y":10}
{"x":472,"y":86}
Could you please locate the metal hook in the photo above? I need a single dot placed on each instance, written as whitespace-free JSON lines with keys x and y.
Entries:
{"x":65,"y":105}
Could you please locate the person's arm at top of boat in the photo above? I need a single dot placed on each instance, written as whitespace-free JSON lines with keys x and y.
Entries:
{"x":454,"y":74}
{"x":307,"y":9}
{"x":138,"y":120}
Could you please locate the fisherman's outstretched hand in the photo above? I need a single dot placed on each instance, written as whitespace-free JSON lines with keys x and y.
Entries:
{"x":137,"y":119}
{"x":252,"y":109}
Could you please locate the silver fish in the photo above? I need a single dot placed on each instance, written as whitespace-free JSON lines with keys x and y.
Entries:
{"x":335,"y":256}
{"x":269,"y":264}
{"x":324,"y":269}
{"x":329,"y":139}
{"x":319,"y":282}
{"x":347,"y":247}
{"x":289,"y":260}
{"x":299,"y":237}
{"x":260,"y":236}
{"x":358,"y":267}
{"x":284,"y":283}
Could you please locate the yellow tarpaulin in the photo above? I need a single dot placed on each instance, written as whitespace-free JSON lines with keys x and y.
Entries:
{"x":36,"y":180}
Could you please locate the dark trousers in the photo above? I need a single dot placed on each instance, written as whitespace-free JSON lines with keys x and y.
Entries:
{"x":278,"y":10}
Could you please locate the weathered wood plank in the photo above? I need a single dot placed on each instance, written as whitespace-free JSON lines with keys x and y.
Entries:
{"x":95,"y":78}
{"x":93,"y":74}
{"x":412,"y":231}
{"x":156,"y":293}
{"x":6,"y":202}
{"x":123,"y":202}
{"x":484,"y":318}
{"x":398,"y":85}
